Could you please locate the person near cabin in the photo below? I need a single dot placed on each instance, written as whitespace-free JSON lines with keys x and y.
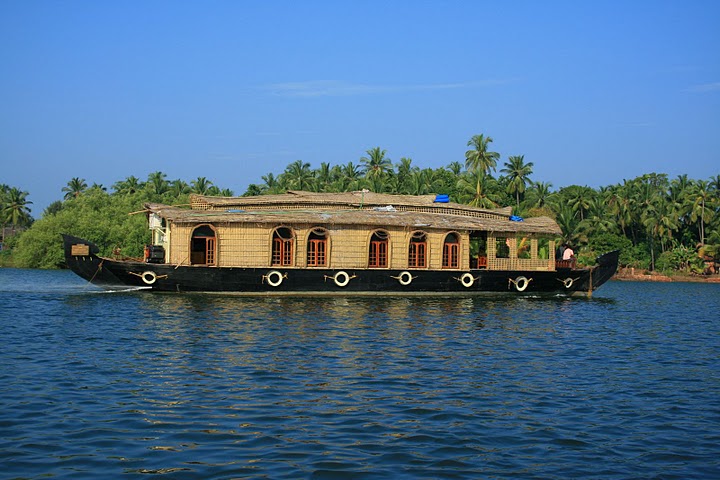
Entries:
{"x":568,"y":254}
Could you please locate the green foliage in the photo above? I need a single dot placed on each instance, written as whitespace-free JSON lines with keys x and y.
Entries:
{"x":679,"y":259}
{"x":96,"y":216}
{"x":649,"y":219}
{"x":607,"y":242}
{"x":14,"y":207}
{"x":110,"y":220}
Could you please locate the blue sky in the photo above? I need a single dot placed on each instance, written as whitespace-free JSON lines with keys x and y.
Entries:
{"x":591,"y":92}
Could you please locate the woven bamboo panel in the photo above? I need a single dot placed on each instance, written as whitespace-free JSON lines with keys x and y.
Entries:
{"x":243,"y":246}
{"x":249,"y":245}
{"x":514,"y":263}
{"x":179,"y":252}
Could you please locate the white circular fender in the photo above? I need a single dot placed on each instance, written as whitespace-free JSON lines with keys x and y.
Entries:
{"x":568,"y":282}
{"x":274,"y":278}
{"x":467,"y":280}
{"x":341,"y":279}
{"x":405,"y":278}
{"x":521,"y":283}
{"x":148,"y":277}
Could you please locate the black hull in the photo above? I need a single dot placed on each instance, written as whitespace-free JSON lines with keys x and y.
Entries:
{"x":116,"y":274}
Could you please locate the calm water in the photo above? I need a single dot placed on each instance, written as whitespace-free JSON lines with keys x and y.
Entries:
{"x":138,"y":385}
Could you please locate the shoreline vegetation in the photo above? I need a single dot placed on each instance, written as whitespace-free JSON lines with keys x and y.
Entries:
{"x":665,"y":228}
{"x":631,"y":275}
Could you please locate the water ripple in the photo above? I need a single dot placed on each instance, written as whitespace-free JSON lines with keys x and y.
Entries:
{"x":625,"y":385}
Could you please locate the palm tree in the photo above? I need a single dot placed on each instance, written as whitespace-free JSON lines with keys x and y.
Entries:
{"x":475,"y":188}
{"x":299,"y":175}
{"x":179,"y":187}
{"x":271,"y":183}
{"x":579,"y":198}
{"x":128,"y":186}
{"x":479,"y":158}
{"x":702,"y":203}
{"x":404,"y":170}
{"x":323,"y":177}
{"x":201,"y":185}
{"x":669,"y":222}
{"x":253,"y":190}
{"x":540,"y":194}
{"x":157,"y":183}
{"x":376,"y":164}
{"x":455,"y":168}
{"x":418,"y":182}
{"x":15,"y":210}
{"x":75,"y":187}
{"x":679,"y":197}
{"x":715,"y":184}
{"x":599,"y":218}
{"x":518,"y":175}
{"x":573,"y":230}
{"x":350,"y":177}
{"x":651,"y":221}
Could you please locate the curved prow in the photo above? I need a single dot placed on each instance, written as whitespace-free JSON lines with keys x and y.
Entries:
{"x":75,"y":246}
{"x":607,"y":265}
{"x":81,"y":256}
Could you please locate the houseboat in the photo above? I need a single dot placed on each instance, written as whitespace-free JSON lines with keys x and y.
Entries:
{"x":341,"y":243}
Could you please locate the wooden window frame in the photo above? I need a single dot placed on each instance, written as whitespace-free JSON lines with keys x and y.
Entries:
{"x":283,"y":249}
{"x":210,"y":245}
{"x":317,"y":248}
{"x":451,"y":252}
{"x":417,"y":251}
{"x":378,"y":254}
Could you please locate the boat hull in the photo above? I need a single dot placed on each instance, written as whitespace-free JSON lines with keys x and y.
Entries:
{"x":120,"y":274}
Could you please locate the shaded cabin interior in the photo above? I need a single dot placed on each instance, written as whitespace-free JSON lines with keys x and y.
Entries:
{"x":356,"y":230}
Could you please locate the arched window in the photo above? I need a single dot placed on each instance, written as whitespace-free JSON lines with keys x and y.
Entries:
{"x":417,"y":251}
{"x":317,"y":248}
{"x":378,"y":254}
{"x":203,"y":245}
{"x":283,"y":247}
{"x":451,"y":251}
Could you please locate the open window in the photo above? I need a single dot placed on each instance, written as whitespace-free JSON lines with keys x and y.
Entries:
{"x":203,"y":245}
{"x":378,"y":254}
{"x":543,"y":249}
{"x":478,"y":249}
{"x":502,"y":247}
{"x":317,"y":248}
{"x":417,"y":250}
{"x":524,"y":248}
{"x":451,"y":251}
{"x":283,"y":247}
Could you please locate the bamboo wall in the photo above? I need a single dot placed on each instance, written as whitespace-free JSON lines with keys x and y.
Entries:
{"x":515,"y":263}
{"x":250,"y":246}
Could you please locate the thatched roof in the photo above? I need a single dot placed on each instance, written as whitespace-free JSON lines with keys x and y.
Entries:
{"x":376,"y":217}
{"x":329,"y":201}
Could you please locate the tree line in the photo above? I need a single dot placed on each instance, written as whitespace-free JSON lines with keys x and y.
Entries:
{"x":657,"y":222}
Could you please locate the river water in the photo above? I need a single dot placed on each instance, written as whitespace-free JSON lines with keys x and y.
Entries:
{"x":179,"y":386}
